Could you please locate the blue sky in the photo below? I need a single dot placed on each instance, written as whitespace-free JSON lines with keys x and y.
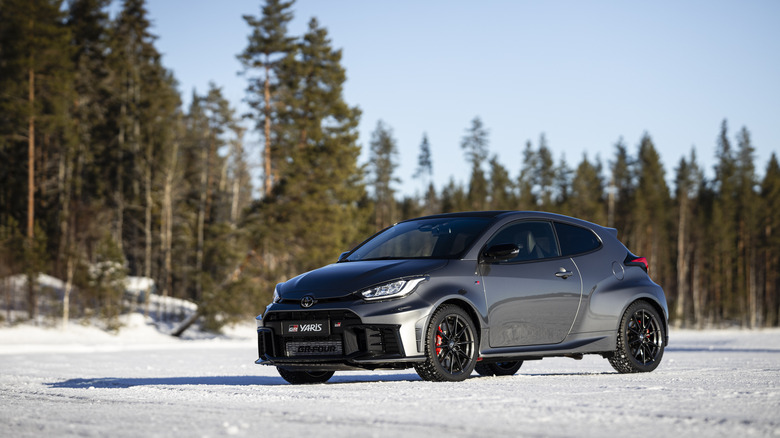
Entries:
{"x":585,"y":73}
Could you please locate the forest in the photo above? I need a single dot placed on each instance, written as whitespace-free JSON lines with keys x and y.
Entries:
{"x":104,"y":175}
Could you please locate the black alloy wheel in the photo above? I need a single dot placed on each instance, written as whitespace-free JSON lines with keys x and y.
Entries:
{"x":304,"y":377}
{"x":498,"y":368}
{"x":450,"y":346}
{"x":640,"y":342}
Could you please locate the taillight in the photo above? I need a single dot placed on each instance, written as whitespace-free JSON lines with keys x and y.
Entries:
{"x":632,"y":260}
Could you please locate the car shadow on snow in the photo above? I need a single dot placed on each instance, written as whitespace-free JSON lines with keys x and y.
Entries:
{"x":712,"y":349}
{"x":560,"y":374}
{"x":129,"y":382}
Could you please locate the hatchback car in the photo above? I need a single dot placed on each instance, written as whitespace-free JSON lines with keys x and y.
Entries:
{"x":455,"y":293}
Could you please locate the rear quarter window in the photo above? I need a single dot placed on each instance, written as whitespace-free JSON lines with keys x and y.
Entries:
{"x":576,"y":240}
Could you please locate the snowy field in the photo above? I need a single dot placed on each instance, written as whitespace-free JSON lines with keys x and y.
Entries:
{"x":85,"y":382}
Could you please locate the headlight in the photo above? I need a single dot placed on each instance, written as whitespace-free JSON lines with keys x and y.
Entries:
{"x":395,"y":289}
{"x":277,"y":295}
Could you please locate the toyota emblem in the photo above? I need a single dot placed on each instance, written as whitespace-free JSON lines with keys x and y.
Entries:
{"x":307,"y":301}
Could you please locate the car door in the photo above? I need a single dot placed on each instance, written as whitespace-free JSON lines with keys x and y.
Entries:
{"x":534,"y":297}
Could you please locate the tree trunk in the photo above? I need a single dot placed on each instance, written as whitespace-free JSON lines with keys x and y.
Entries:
{"x":236,"y":189}
{"x":267,"y":182}
{"x":755,"y":312}
{"x":119,"y":192}
{"x":148,"y":222}
{"x":69,"y":268}
{"x":698,"y":311}
{"x":31,"y":156}
{"x":210,"y":159}
{"x":32,"y":299}
{"x":201,"y":224}
{"x":742,"y":297}
{"x":166,"y":223}
{"x":682,"y":263}
{"x":770,"y":275}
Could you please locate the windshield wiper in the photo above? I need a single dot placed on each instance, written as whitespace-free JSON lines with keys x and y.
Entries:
{"x":390,"y":258}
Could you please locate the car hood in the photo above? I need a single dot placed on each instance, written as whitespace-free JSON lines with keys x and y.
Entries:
{"x":341,"y":279}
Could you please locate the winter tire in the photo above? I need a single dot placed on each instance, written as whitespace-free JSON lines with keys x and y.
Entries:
{"x":304,"y":377}
{"x":498,"y":368}
{"x":640,"y":341}
{"x":450,"y":346}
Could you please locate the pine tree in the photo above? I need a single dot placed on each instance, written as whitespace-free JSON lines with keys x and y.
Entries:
{"x":80,"y":186}
{"x":501,"y":187}
{"x":383,"y":162}
{"x":621,"y":194}
{"x":587,"y":199}
{"x":725,"y":227}
{"x":525,"y":184}
{"x":35,"y":82}
{"x":453,"y":198}
{"x":563,"y":186}
{"x":475,"y":144}
{"x":315,"y":206}
{"x":747,"y":213}
{"x":651,"y":208}
{"x":770,"y":246}
{"x":134,"y":62}
{"x":544,"y":175}
{"x":688,"y":181}
{"x":268,"y":45}
{"x":424,"y":169}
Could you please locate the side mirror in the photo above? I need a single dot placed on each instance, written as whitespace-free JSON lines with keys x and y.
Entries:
{"x":500,"y":252}
{"x":343,"y":255}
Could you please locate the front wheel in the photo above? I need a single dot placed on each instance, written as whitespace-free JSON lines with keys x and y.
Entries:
{"x":450,"y":346}
{"x":304,"y":377}
{"x":640,"y":341}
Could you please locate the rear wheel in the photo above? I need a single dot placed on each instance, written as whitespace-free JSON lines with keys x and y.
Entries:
{"x":498,"y":368}
{"x":640,"y":341}
{"x":304,"y":377}
{"x":450,"y":346}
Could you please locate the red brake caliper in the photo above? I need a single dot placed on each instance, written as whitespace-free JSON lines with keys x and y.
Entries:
{"x":438,"y":342}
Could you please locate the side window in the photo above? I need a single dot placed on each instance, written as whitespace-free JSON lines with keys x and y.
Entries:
{"x":576,"y":240}
{"x":535,"y":240}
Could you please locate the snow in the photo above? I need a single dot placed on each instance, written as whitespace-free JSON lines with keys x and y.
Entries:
{"x":140,"y":382}
{"x":138,"y":285}
{"x":19,"y":282}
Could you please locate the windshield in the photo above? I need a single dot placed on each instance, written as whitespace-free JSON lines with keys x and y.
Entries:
{"x":436,"y":238}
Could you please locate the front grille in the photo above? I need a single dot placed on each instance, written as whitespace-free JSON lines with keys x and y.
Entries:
{"x":333,"y":315}
{"x":349,"y":337}
{"x":314,"y":348}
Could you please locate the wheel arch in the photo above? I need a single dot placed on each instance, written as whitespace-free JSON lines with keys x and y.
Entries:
{"x":465,"y":305}
{"x":658,"y":308}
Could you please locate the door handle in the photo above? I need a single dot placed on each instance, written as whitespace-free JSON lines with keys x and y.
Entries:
{"x":563,"y":273}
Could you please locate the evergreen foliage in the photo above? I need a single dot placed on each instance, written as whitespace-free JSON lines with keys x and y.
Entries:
{"x":475,"y":145}
{"x":267,"y":48}
{"x":315,"y":207}
{"x":383,"y":161}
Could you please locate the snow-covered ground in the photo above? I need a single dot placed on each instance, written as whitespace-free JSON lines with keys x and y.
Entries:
{"x":84,"y":382}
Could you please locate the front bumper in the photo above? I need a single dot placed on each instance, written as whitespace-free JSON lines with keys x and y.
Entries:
{"x":388,"y":337}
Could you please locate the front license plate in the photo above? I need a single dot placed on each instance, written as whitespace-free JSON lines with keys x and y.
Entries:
{"x":320,"y":348}
{"x":306,"y":328}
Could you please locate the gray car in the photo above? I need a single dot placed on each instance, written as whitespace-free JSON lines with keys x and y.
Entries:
{"x":455,"y":293}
